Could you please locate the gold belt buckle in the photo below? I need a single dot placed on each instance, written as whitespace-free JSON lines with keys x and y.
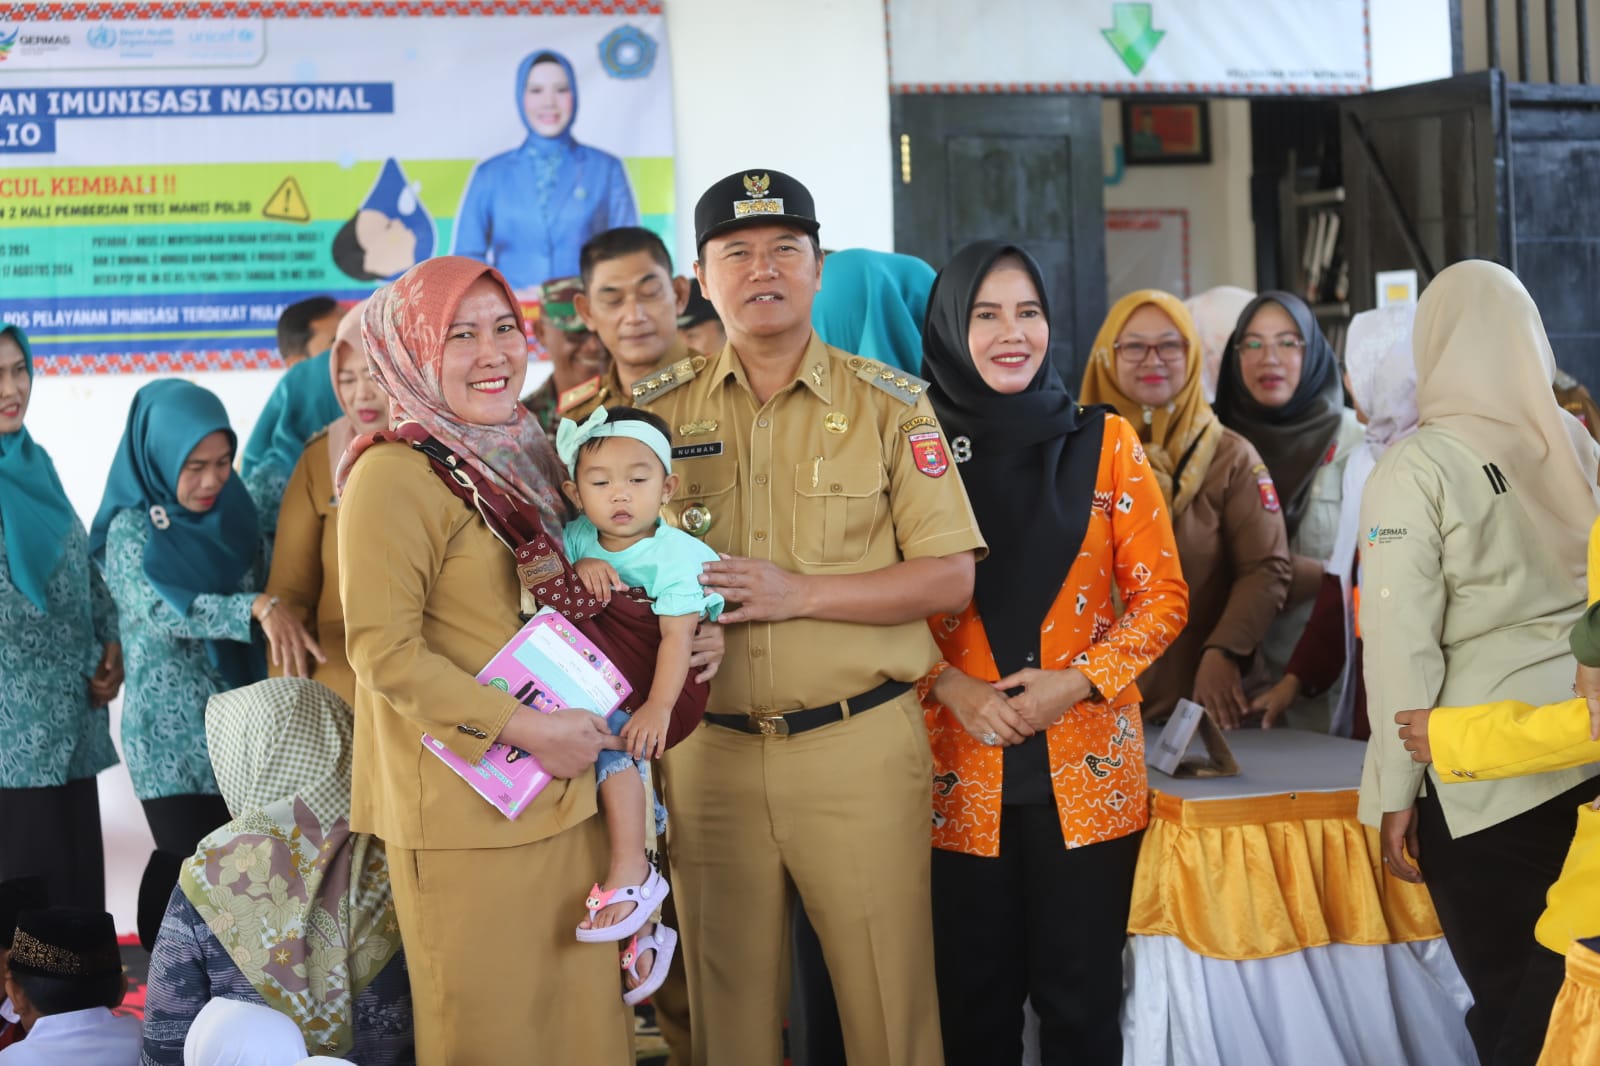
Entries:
{"x":772,"y":725}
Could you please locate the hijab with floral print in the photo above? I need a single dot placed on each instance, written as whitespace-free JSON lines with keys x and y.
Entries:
{"x":404,"y":329}
{"x":301,"y":904}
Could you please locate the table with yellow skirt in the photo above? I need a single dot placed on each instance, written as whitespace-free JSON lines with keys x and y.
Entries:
{"x":1264,"y":931}
{"x":1574,"y":1035}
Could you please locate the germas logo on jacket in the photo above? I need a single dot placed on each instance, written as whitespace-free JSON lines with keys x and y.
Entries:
{"x":1385,"y":534}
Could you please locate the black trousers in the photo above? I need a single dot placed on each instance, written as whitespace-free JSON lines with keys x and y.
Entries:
{"x":1039,"y":922}
{"x":53,"y":833}
{"x":177,"y":823}
{"x":1488,"y":888}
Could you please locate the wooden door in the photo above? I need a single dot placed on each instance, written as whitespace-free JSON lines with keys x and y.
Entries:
{"x":1024,"y":168}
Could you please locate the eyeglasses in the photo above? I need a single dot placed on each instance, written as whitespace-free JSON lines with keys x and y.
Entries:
{"x":1137,"y":351}
{"x":1284,"y":346}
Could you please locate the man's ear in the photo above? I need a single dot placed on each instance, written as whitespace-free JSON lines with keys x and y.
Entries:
{"x":680,"y":289}
{"x":580,"y":304}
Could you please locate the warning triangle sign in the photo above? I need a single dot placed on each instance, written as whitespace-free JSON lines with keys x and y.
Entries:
{"x":287,"y":203}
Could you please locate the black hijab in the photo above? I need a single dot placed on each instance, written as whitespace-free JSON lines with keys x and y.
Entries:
{"x":1035,"y":457}
{"x":1293,"y":439}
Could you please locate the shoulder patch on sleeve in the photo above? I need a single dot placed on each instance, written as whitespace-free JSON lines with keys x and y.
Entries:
{"x":1267,"y":490}
{"x":665,"y":380}
{"x":578,"y":394}
{"x":907,"y":388}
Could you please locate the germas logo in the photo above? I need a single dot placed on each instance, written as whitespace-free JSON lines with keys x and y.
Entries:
{"x":1385,"y":534}
{"x":7,"y":42}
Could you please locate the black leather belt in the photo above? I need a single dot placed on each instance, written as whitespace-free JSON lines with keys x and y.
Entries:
{"x":782,"y":725}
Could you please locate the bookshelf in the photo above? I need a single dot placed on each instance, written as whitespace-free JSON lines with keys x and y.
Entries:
{"x":1313,"y":238}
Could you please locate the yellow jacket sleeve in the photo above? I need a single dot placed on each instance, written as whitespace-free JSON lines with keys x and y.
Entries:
{"x":1509,"y":739}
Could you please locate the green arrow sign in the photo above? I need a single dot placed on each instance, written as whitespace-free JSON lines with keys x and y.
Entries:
{"x":1131,"y":36}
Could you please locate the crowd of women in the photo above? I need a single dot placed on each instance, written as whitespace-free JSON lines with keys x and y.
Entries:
{"x":1453,"y":491}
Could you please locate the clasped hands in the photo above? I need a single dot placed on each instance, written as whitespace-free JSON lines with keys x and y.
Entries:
{"x":984,"y":709}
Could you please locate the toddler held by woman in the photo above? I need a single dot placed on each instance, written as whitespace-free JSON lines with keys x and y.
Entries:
{"x":621,"y":466}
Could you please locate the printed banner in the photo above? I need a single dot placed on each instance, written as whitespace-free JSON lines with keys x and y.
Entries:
{"x":169,"y":185}
{"x":1314,"y":47}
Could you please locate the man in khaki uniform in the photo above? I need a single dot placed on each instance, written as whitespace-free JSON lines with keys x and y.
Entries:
{"x":631,"y":301}
{"x":841,"y":535}
{"x":576,"y":357}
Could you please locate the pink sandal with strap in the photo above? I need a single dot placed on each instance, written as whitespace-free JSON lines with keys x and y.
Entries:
{"x":645,"y":897}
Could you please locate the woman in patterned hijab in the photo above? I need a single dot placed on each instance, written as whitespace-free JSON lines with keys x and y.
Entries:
{"x":431,"y":592}
{"x":284,"y":905}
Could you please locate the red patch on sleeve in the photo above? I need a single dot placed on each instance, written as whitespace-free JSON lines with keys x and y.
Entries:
{"x":1333,"y":450}
{"x":927,"y":451}
{"x":1269,"y":493}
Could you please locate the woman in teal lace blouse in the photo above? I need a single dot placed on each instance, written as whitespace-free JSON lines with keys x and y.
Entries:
{"x":60,"y":663}
{"x":181,"y":547}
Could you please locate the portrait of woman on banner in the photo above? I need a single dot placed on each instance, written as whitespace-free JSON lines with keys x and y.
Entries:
{"x":528,"y":211}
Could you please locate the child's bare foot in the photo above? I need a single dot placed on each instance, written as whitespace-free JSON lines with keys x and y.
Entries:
{"x":631,"y":871}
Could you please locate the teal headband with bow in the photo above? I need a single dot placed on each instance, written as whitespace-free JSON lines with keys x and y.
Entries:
{"x":571,"y":436}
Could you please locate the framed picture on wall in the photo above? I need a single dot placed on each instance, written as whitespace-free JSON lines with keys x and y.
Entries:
{"x":1165,"y":132}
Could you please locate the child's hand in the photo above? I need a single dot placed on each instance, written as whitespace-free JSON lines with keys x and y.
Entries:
{"x":645,"y":734}
{"x":599,"y":577}
{"x":1272,"y":703}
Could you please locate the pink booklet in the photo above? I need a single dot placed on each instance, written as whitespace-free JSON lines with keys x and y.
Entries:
{"x":548,"y":666}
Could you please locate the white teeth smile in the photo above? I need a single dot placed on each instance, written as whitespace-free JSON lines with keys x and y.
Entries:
{"x":765,"y":299}
{"x":490,"y":386}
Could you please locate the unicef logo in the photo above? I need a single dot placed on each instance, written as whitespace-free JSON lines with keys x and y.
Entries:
{"x":102,"y":36}
{"x":247,"y":35}
{"x":628,"y":52}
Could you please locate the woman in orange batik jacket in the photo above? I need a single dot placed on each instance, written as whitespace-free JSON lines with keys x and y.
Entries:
{"x":1039,"y":794}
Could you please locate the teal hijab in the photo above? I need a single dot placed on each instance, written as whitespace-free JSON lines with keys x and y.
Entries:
{"x":33,"y":505}
{"x":196,"y":553}
{"x":300,"y":407}
{"x":873,"y":304}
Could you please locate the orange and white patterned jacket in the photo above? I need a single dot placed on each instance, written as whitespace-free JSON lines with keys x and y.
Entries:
{"x":1097,"y":749}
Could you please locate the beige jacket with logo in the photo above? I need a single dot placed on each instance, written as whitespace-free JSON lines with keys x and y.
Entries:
{"x":1460,"y":605}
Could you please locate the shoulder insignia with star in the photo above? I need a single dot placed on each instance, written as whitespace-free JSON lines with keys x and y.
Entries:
{"x":907,"y":388}
{"x":666,"y":379}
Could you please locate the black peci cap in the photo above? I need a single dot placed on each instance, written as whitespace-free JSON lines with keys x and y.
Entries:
{"x":65,"y":942}
{"x":753,"y":196}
